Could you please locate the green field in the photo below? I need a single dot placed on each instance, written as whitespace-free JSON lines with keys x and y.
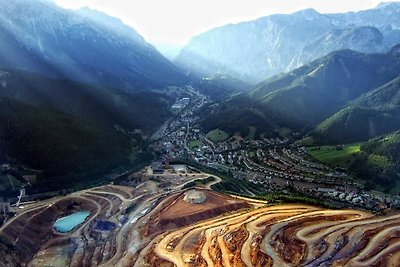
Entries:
{"x":341,"y":156}
{"x":194,"y":144}
{"x":217,"y":135}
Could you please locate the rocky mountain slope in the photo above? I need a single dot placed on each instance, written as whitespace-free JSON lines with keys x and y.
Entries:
{"x":71,"y":132}
{"x":82,"y":45}
{"x":76,"y":94}
{"x":255,"y":50}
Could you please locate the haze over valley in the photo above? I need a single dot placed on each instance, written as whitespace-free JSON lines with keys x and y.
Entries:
{"x":268,"y":142}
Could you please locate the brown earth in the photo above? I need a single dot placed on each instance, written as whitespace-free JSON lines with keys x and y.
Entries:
{"x":178,"y":213}
{"x":290,"y":235}
{"x":234,"y":241}
{"x":257,"y":256}
{"x":155,"y":261}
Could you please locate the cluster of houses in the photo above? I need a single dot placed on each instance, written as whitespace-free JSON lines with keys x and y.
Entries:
{"x":181,"y":104}
{"x":272,"y":163}
{"x":358,"y":198}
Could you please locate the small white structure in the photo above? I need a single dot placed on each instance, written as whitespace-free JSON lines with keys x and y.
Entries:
{"x":194,"y":197}
{"x":21,"y":195}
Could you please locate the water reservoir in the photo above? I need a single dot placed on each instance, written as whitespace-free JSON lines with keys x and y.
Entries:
{"x":67,"y":223}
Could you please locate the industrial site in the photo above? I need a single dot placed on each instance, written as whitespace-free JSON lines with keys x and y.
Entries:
{"x":172,"y":224}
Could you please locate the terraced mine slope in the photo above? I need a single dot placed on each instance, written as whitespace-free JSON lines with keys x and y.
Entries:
{"x":149,"y":224}
{"x":179,"y":211}
{"x":285,"y":235}
{"x":32,"y":230}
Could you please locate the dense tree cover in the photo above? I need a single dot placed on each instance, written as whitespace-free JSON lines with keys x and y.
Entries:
{"x":378,"y":164}
{"x":374,"y":113}
{"x":66,"y":149}
{"x":237,"y":115}
{"x":72,"y":132}
{"x":105,"y":105}
{"x":305,"y":97}
{"x":220,"y":86}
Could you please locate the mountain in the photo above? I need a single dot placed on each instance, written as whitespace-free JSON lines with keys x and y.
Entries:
{"x":255,"y":50}
{"x":82,"y":45}
{"x":373,"y":114}
{"x":379,"y":163}
{"x":67,"y":150}
{"x":76,"y":96}
{"x":71,"y":132}
{"x":324,"y":86}
{"x":169,"y":51}
{"x":220,"y":86}
{"x":304,"y":97}
{"x":387,"y":146}
{"x":111,"y":107}
{"x":364,"y":39}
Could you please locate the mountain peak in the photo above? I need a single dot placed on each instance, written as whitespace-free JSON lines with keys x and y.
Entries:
{"x":308,"y":13}
{"x":113,"y":23}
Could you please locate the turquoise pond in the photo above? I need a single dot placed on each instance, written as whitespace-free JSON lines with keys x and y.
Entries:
{"x":67,"y":223}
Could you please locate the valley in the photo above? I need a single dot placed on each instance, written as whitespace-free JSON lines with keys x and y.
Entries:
{"x":268,"y":142}
{"x":229,"y":201}
{"x":218,"y":203}
{"x":256,"y":167}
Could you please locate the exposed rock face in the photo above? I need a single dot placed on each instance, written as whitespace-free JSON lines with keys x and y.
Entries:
{"x":288,"y":235}
{"x":270,"y":45}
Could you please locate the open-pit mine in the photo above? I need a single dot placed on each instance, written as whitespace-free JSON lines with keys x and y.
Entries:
{"x":159,"y":224}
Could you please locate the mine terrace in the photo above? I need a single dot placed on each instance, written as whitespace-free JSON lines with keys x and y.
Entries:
{"x":161,"y":222}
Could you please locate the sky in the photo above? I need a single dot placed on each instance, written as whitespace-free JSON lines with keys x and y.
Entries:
{"x":174,"y":22}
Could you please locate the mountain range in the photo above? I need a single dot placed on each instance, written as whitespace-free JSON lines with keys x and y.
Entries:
{"x":81,"y":45}
{"x":70,"y":130}
{"x":256,"y":50}
{"x":305,"y":97}
{"x":76,"y":92}
{"x":81,"y":91}
{"x":87,"y":105}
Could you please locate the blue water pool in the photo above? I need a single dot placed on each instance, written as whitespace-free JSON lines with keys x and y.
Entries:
{"x":67,"y":223}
